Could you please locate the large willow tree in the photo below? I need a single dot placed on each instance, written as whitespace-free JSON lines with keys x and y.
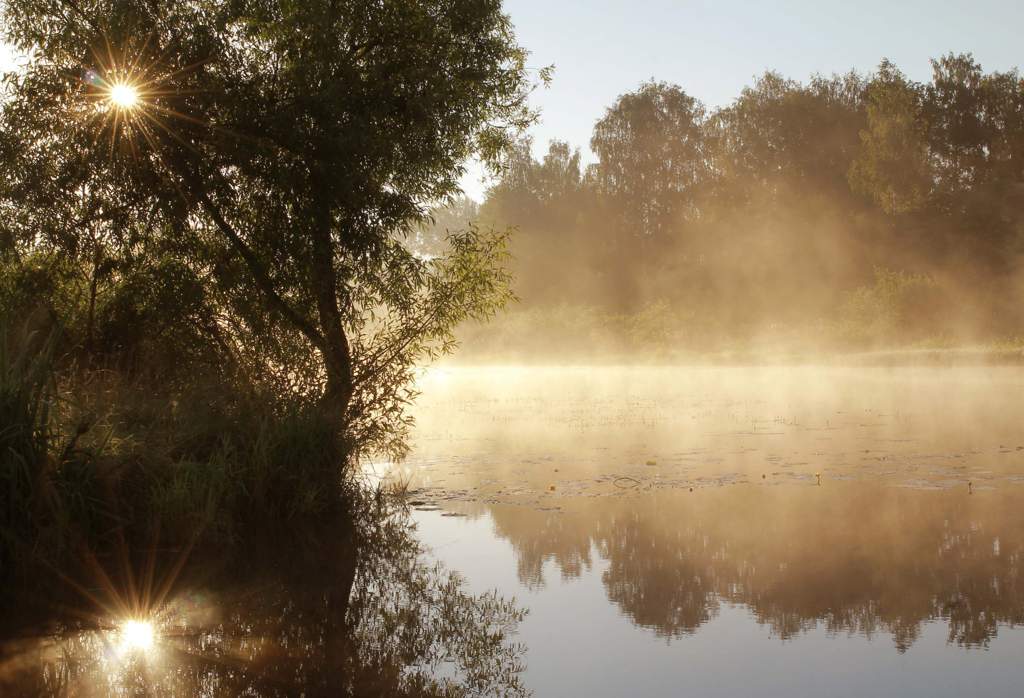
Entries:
{"x":266,"y":159}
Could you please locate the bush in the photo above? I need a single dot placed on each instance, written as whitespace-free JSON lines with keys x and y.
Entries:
{"x":91,"y":457}
{"x":899,"y":308}
{"x":26,"y":400}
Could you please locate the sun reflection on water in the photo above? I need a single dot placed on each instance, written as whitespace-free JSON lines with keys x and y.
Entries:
{"x":137,"y":636}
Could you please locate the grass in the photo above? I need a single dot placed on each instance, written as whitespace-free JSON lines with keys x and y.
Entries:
{"x":26,"y":400}
{"x":89,"y":459}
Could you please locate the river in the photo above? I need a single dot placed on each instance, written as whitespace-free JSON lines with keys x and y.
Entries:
{"x":729,"y":531}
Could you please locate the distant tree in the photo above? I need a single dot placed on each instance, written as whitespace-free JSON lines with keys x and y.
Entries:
{"x":546,"y":202}
{"x":1004,"y":116}
{"x":651,"y":159}
{"x":430,"y":238}
{"x":976,"y":139}
{"x":959,"y":133}
{"x":560,"y":174}
{"x":531,"y":192}
{"x":284,"y":152}
{"x":780,"y":134}
{"x":893,"y":166}
{"x":749,"y":148}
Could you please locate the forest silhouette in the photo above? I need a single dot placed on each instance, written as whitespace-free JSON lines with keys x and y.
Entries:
{"x":846,"y":213}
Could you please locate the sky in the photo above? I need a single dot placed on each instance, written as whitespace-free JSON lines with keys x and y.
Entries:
{"x":7,"y":61}
{"x":712,"y":49}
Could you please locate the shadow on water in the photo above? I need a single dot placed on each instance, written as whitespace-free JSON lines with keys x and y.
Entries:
{"x":354,"y":610}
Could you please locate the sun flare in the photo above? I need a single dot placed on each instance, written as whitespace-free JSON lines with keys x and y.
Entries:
{"x":137,"y":635}
{"x":124,"y":96}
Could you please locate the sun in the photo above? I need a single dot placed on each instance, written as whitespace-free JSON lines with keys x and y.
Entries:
{"x":123,"y":95}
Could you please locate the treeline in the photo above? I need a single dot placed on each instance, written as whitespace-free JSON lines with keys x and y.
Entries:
{"x":850,"y":211}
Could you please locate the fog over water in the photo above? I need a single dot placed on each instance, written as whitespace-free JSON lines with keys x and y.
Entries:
{"x":672,"y":520}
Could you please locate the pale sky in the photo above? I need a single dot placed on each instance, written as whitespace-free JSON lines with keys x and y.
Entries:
{"x":603,"y":48}
{"x":7,"y":61}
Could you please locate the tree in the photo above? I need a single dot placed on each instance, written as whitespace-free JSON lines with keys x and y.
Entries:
{"x":538,"y":194}
{"x":283,"y":151}
{"x":781,"y":135}
{"x":651,"y":157}
{"x":958,"y":133}
{"x":976,"y":143}
{"x":893,"y":166}
{"x":545,"y":201}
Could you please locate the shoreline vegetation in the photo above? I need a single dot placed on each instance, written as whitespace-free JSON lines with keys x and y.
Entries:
{"x":656,"y":335}
{"x":211,"y":313}
{"x":220,"y":272}
{"x":923,"y":357}
{"x":222,"y":526}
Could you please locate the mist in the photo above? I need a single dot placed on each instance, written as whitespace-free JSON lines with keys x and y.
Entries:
{"x":845,"y":215}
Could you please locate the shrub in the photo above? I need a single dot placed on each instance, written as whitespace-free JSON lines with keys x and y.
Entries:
{"x":899,"y":308}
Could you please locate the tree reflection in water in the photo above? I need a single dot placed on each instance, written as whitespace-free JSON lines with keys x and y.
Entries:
{"x":291,"y":623}
{"x":848,"y":557}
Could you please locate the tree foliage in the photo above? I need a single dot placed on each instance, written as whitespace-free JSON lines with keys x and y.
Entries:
{"x":650,"y":159}
{"x":892,"y":166}
{"x":259,"y":202}
{"x":770,"y":211}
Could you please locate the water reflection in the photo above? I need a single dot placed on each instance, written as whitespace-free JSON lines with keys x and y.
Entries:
{"x":850,"y":558}
{"x":291,"y":623}
{"x":665,"y":526}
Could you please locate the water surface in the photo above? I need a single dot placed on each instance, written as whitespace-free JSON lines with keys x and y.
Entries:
{"x":785,"y":531}
{"x":726,"y":531}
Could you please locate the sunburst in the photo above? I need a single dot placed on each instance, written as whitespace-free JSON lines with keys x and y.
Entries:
{"x":132,"y":94}
{"x":124,"y":95}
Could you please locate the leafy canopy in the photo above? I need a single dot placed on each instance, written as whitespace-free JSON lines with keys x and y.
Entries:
{"x":281,"y":153}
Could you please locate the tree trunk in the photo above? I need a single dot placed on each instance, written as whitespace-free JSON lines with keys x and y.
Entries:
{"x":336,"y":351}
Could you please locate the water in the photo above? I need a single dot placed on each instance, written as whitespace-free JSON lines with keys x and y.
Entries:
{"x":667,"y":531}
{"x":785,"y":531}
{"x":295,"y":619}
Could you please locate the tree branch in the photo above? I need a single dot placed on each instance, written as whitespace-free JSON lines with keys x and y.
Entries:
{"x":194,"y":186}
{"x":259,"y":274}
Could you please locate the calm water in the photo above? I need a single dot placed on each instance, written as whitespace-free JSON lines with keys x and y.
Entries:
{"x":668,"y":533}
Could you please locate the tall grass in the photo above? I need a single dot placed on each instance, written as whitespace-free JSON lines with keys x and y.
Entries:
{"x":89,"y":459}
{"x":27,"y":395}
